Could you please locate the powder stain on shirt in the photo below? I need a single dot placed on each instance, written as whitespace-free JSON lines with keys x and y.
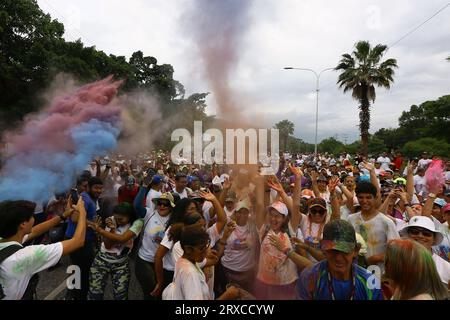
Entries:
{"x":25,"y":264}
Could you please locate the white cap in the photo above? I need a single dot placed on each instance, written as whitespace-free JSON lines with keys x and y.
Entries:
{"x":280,"y":207}
{"x":423,"y":222}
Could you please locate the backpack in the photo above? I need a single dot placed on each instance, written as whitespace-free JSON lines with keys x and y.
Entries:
{"x":32,"y":285}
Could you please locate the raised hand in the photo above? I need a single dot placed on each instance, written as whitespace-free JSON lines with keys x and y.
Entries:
{"x":410,"y":168}
{"x":333,"y":183}
{"x":227,"y":184}
{"x":273,"y":183}
{"x":207,"y":195}
{"x":368,"y":166}
{"x":296,"y":171}
{"x":229,"y":228}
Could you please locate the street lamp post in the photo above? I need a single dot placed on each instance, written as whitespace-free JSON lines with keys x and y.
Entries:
{"x":317,"y":97}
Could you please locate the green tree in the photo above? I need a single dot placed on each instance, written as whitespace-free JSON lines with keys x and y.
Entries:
{"x":430,"y":119}
{"x":430,"y":145}
{"x":330,"y":145}
{"x":27,"y":40}
{"x":362,"y":71}
{"x":286,"y":128}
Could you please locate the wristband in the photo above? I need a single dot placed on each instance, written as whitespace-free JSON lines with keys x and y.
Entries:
{"x":432,"y":195}
{"x":288,"y":251}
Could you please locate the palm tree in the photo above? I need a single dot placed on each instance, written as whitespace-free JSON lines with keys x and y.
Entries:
{"x":361,"y":72}
{"x":286,"y":128}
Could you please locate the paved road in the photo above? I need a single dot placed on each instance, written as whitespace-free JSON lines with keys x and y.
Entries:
{"x":52,"y":283}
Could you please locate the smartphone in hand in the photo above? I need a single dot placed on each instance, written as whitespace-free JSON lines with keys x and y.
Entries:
{"x":74,"y":196}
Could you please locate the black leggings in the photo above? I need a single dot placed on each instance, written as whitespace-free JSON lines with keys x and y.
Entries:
{"x":145,"y":274}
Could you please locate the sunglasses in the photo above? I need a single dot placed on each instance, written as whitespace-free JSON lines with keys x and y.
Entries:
{"x":163,"y":203}
{"x":416,"y":231}
{"x":318,"y":211}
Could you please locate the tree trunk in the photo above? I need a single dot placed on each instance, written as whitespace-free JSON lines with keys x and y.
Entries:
{"x":364,"y":118}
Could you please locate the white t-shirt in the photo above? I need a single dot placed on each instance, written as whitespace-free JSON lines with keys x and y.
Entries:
{"x":443,"y":268}
{"x":385,"y":161}
{"x":117,"y":248}
{"x":240,"y":251}
{"x":152,"y":194}
{"x":376,"y":232}
{"x":420,"y":184}
{"x":154,"y":231}
{"x":17,"y":270}
{"x":190,"y":282}
{"x":177,"y":253}
{"x":182,"y":195}
{"x":423,"y":163}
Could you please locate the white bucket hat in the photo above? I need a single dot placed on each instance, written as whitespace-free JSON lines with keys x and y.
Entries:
{"x":426,"y":223}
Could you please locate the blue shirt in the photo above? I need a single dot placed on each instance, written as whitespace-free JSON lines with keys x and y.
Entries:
{"x":91,"y":212}
{"x":313,"y":284}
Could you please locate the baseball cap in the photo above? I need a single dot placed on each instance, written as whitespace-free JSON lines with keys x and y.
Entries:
{"x":339,"y":235}
{"x":440,"y":202}
{"x":280,"y":207}
{"x":307,"y":193}
{"x":242,"y":205}
{"x":131,"y":181}
{"x":423,"y":222}
{"x":318,"y":202}
{"x":231,"y":196}
{"x":165,"y":196}
{"x":446,"y":208}
{"x":400,"y":181}
{"x":156,"y":179}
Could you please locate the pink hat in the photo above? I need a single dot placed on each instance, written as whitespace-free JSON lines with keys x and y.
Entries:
{"x":280,"y":207}
{"x":446,"y":208}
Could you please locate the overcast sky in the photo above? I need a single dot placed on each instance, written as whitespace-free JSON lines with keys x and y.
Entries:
{"x":299,"y":33}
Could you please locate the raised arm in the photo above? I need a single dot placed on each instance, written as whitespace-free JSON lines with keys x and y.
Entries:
{"x":221,"y":215}
{"x":410,"y":182}
{"x":335,"y":204}
{"x":42,"y":228}
{"x":296,"y":216}
{"x":260,"y":211}
{"x":313,"y":174}
{"x":79,"y":237}
{"x":374,"y":181}
{"x":141,"y":211}
{"x":223,"y":194}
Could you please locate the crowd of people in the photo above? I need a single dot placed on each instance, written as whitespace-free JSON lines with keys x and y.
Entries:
{"x":320,"y":228}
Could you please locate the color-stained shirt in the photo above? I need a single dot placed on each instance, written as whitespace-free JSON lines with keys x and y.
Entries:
{"x":376,"y":232}
{"x":275,"y":267}
{"x":313,"y":284}
{"x":17,"y":270}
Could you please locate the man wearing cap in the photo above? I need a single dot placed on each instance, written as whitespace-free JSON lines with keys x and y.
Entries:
{"x":128,"y":192}
{"x":422,"y":230}
{"x":338,"y":277}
